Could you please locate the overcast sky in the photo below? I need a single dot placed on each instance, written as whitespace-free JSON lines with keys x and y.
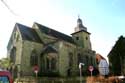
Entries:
{"x":104,"y":19}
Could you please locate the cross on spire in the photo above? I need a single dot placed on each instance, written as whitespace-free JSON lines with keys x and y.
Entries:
{"x":78,"y":16}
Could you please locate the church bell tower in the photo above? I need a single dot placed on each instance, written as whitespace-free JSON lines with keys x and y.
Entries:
{"x":81,"y":36}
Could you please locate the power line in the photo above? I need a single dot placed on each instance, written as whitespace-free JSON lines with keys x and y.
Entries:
{"x":13,"y":13}
{"x":9,"y":8}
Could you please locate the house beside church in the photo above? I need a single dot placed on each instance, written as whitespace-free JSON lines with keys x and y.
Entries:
{"x":117,"y":57}
{"x":55,"y":53}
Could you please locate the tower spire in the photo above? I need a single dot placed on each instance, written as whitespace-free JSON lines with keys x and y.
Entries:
{"x":81,"y":36}
{"x":80,"y":26}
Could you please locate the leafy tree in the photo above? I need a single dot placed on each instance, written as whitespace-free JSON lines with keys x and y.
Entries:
{"x":5,"y":63}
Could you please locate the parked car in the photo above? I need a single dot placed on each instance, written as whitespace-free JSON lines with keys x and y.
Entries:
{"x":5,"y":77}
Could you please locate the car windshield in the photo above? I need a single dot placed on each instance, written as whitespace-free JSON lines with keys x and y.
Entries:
{"x":4,"y":79}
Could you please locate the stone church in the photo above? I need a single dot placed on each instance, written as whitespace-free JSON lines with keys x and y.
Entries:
{"x":55,"y":53}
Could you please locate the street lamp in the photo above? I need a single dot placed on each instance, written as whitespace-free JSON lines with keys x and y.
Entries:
{"x":80,"y":68}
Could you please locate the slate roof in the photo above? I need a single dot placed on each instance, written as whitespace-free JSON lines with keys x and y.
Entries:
{"x":28,"y":33}
{"x":54,"y":33}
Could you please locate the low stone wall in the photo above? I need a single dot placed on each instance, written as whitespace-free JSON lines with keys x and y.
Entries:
{"x":49,"y":80}
{"x":25,"y":80}
{"x":68,"y":80}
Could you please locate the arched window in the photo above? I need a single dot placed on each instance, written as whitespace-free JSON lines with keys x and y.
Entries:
{"x":13,"y":55}
{"x":33,"y":58}
{"x":79,"y":58}
{"x":87,"y":60}
{"x":48,"y":63}
{"x":17,"y":38}
{"x":91,"y":59}
{"x":53,"y":63}
{"x":70,"y":59}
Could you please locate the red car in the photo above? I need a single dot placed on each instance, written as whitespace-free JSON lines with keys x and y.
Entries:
{"x":5,"y":77}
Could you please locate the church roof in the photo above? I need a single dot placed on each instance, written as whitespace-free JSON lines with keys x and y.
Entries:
{"x":54,"y":33}
{"x":28,"y":33}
